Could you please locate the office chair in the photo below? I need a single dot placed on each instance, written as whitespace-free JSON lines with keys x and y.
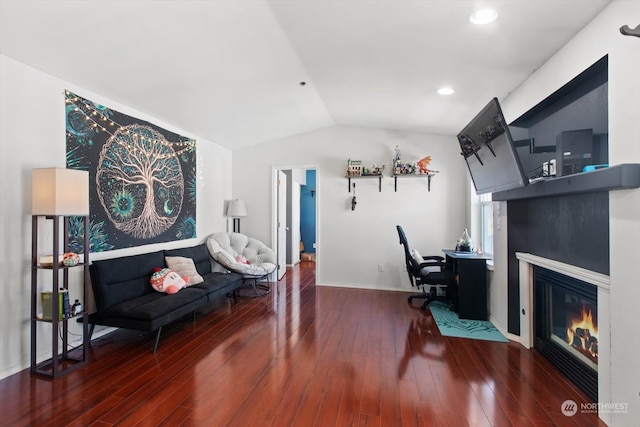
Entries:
{"x":429,"y":271}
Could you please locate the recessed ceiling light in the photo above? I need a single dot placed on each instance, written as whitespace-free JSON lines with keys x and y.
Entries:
{"x":445,"y":91}
{"x":483,"y":16}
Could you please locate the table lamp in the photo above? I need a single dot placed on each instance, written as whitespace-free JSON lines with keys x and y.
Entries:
{"x":236,"y":209}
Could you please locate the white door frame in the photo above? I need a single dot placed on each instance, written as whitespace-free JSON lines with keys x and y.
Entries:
{"x":281,"y":224}
{"x":274,"y":206}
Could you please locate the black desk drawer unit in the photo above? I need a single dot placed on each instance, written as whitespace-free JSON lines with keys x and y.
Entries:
{"x":469,"y":270}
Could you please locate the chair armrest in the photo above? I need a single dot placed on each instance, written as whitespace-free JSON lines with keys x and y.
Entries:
{"x":433,"y":257}
{"x":440,"y":264}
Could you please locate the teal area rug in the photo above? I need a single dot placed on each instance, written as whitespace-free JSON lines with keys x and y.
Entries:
{"x":451,"y":325}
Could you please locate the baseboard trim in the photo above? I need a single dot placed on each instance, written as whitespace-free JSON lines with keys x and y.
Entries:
{"x":369,"y":287}
{"x":508,"y":335}
{"x":26,"y":364}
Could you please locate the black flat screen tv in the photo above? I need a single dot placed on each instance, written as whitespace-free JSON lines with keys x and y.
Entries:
{"x":488,"y":149}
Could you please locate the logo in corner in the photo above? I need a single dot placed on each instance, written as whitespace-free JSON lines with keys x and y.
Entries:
{"x":569,"y":408}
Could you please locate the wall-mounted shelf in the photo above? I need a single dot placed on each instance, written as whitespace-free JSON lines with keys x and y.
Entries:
{"x":618,"y":177}
{"x":379,"y":177}
{"x":416,"y":175}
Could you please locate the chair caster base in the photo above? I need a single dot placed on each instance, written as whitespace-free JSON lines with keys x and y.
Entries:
{"x":417,"y":296}
{"x":258,"y":290}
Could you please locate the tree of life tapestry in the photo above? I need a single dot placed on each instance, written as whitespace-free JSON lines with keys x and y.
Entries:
{"x":142,"y":178}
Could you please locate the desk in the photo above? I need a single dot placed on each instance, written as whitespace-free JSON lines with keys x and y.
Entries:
{"x":469,"y":270}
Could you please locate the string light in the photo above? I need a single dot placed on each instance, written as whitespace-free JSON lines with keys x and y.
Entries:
{"x":74,"y":100}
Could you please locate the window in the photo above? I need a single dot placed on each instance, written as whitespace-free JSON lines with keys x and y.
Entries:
{"x":486,"y":208}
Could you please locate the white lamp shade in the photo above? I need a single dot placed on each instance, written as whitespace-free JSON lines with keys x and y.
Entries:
{"x":236,"y":208}
{"x":56,"y":191}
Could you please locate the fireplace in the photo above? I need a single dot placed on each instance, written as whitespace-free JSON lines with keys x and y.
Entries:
{"x":566,"y":326}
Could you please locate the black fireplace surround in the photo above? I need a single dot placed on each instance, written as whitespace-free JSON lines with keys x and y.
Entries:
{"x":566,"y":328}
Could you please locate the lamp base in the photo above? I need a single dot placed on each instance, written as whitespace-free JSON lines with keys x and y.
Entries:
{"x":236,"y":225}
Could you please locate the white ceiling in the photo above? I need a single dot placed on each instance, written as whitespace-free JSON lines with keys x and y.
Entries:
{"x":229,"y":71}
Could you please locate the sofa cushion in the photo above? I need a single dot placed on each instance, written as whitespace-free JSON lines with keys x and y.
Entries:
{"x":122,"y":279}
{"x":156,"y":305}
{"x":217,"y":284}
{"x":149,"y":312}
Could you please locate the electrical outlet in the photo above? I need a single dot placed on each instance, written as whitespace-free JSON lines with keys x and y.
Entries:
{"x":380,"y":268}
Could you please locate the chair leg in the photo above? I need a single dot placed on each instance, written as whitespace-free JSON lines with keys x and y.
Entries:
{"x":430,"y":298}
{"x":265,"y":288}
{"x":424,"y":294}
{"x":433,"y":296}
{"x":255,"y":286}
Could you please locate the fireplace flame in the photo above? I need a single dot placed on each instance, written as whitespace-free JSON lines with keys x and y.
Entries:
{"x":583,"y":333}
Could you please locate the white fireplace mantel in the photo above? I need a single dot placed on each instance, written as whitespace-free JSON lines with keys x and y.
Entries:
{"x":601,"y":281}
{"x":598,"y":279}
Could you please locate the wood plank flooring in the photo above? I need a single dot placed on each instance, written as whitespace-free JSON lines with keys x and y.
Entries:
{"x":300,"y":356}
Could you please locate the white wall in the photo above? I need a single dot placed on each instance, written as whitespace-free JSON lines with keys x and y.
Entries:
{"x":351,"y":244}
{"x":32,"y":134}
{"x":599,"y":38}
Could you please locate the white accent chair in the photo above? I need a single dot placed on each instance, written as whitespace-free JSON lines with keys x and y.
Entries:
{"x":245,"y":255}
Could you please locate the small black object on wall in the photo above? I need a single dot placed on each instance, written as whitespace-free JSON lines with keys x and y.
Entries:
{"x":353,"y":199}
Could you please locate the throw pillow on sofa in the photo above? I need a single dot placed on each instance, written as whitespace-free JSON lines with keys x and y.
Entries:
{"x":167,"y":281}
{"x":185,"y":267}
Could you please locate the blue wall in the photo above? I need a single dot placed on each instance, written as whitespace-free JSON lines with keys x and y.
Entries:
{"x":308,"y":212}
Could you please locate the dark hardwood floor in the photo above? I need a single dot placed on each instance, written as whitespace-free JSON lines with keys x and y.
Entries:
{"x":300,"y":356}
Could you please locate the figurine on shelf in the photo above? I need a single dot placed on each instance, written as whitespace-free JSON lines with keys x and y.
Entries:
{"x":397,"y":166}
{"x":405,"y":169}
{"x":354,"y":167}
{"x":396,"y":159}
{"x":400,"y":168}
{"x":423,"y":165}
{"x":70,"y":259}
{"x":376,"y":170}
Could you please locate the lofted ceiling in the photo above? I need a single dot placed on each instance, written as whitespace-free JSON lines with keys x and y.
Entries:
{"x":231,"y":71}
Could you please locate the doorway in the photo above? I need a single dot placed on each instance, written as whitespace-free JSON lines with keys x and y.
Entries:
{"x":295,"y":205}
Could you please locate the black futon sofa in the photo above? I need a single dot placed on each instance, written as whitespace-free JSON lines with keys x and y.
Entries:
{"x":125,"y":299}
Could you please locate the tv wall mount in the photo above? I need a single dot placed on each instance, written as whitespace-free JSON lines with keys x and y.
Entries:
{"x":491,"y":132}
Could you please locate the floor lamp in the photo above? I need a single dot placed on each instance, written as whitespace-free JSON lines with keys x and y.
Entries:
{"x":236,"y":210}
{"x":57,"y":195}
